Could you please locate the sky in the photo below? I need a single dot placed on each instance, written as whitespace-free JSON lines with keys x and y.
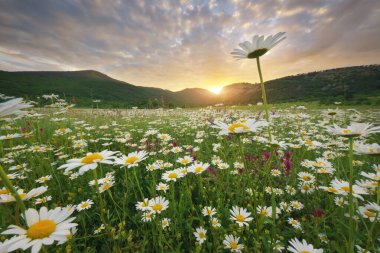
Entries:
{"x":186,"y":43}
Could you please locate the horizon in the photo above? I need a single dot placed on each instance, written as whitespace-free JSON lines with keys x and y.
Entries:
{"x":215,"y":91}
{"x":182,"y":45}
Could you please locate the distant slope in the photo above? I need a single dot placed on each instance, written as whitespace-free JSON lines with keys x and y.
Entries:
{"x":359,"y":85}
{"x":82,"y":87}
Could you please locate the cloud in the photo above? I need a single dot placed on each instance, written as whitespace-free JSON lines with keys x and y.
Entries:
{"x":181,"y":44}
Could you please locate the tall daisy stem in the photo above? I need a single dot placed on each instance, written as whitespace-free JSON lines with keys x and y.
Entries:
{"x":350,"y":199}
{"x":10,"y":187}
{"x":101,"y":204}
{"x":264,"y":96}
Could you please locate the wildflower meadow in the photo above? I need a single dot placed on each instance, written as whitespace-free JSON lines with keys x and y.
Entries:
{"x":189,"y":180}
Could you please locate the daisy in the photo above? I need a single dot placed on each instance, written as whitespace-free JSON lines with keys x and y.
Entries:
{"x":185,"y":160}
{"x":165,"y":223}
{"x":89,"y":162}
{"x":215,"y":223}
{"x":44,"y":227}
{"x":275,"y":172}
{"x":343,"y":188}
{"x":267,"y":211}
{"x":306,"y":177}
{"x":132,"y":159}
{"x":240,"y":215}
{"x":43,"y":200}
{"x":208,"y":211}
{"x":302,"y":247}
{"x":13,"y":106}
{"x":339,"y":201}
{"x":143,"y":205}
{"x":198,"y":168}
{"x":42,"y":180}
{"x":84,"y":205}
{"x":258,"y":47}
{"x":354,"y":129}
{"x":162,"y":187}
{"x":372,"y":176}
{"x":6,"y":197}
{"x":147,"y":216}
{"x":172,"y":175}
{"x":99,"y":229}
{"x":158,"y":204}
{"x":368,"y":149}
{"x":200,"y":234}
{"x":295,"y":223}
{"x":370,"y":211}
{"x":232,"y":243}
{"x":249,"y":125}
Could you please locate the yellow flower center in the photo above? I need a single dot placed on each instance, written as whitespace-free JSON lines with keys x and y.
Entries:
{"x":346,"y":131}
{"x":131,"y":159}
{"x":240,"y":217}
{"x":308,"y":142}
{"x":91,"y":158}
{"x":305,"y":251}
{"x":198,"y":169}
{"x":185,"y":161}
{"x":41,"y":229}
{"x":22,"y":195}
{"x":233,"y":245}
{"x":369,"y":213}
{"x":264,"y":212}
{"x":173,"y":175}
{"x":371,"y":150}
{"x":157,"y":207}
{"x":106,"y":187}
{"x":209,"y":211}
{"x":202,"y":235}
{"x":233,"y":127}
{"x":345,"y":188}
{"x":306,"y":178}
{"x":84,"y":205}
{"x":4,"y":191}
{"x":305,"y":187}
{"x":332,"y":189}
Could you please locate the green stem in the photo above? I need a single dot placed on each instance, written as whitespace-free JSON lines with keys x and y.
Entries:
{"x":264,"y":96}
{"x":350,"y":199}
{"x":9,"y":186}
{"x":101,"y":204}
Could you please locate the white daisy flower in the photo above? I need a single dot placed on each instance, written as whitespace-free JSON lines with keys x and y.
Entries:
{"x":258,"y":46}
{"x":232,"y":243}
{"x":240,"y":215}
{"x":200,"y":234}
{"x":89,"y":162}
{"x":132,"y":159}
{"x":44,"y":227}
{"x":302,"y":247}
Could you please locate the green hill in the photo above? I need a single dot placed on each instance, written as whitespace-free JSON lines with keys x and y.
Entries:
{"x":355,"y":85}
{"x":82,"y":87}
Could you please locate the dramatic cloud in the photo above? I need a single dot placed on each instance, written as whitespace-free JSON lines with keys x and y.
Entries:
{"x":180,"y":44}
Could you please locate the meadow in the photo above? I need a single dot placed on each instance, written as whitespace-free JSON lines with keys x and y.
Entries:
{"x":193,"y":180}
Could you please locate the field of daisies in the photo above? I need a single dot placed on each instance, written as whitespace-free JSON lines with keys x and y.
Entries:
{"x":215,"y":179}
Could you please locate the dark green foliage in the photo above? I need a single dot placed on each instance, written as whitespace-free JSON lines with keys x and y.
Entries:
{"x":351,"y":85}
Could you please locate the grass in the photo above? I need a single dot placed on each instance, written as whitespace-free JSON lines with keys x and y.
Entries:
{"x":249,"y":187}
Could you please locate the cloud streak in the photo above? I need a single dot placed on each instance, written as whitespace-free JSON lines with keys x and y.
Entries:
{"x":187,"y":43}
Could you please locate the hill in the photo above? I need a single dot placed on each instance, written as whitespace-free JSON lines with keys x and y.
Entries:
{"x":82,"y":87}
{"x":355,"y":85}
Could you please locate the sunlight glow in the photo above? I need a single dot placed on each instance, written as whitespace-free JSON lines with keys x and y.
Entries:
{"x":216,"y":90}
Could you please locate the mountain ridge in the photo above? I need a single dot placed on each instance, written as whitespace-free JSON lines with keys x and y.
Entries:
{"x":356,"y":84}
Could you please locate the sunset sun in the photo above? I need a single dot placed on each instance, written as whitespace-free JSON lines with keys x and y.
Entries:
{"x":216,"y":90}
